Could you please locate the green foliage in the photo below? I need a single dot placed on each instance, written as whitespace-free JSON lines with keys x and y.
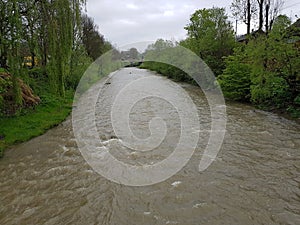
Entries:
{"x":235,"y":80}
{"x":211,"y":36}
{"x":266,"y":70}
{"x":60,"y":44}
{"x":275,"y":64}
{"x":38,"y":81}
{"x":297,"y":100}
{"x":93,"y":42}
{"x":5,"y":84}
{"x":79,"y":64}
{"x":167,"y":51}
{"x":271,"y":91}
{"x":49,"y":34}
{"x":166,"y":70}
{"x":13,"y":55}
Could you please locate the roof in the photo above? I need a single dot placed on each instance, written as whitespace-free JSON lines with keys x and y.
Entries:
{"x":244,"y":37}
{"x":294,"y":29}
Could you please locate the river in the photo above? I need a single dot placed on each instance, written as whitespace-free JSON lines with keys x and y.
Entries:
{"x":255,"y":178}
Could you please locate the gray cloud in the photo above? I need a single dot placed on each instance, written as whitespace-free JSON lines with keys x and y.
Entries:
{"x":129,"y":21}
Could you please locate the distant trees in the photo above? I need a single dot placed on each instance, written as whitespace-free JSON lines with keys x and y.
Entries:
{"x":92,"y":40}
{"x":130,"y":54}
{"x":133,"y":53}
{"x":211,"y":36}
{"x":167,"y":51}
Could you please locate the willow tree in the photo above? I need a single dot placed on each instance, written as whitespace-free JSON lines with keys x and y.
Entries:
{"x":4,"y":27}
{"x":14,"y":42}
{"x":30,"y":15}
{"x":61,"y":40}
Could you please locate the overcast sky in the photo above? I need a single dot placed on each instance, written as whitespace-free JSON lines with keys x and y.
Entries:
{"x":125,"y":22}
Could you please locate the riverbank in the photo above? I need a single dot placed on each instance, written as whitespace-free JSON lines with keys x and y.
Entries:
{"x":34,"y":122}
{"x":292,"y":112}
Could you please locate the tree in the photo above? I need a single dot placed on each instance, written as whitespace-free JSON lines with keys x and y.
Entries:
{"x":4,"y":31}
{"x":272,"y":10}
{"x":133,"y":53}
{"x":211,"y":36}
{"x":14,"y":39}
{"x":169,"y":52}
{"x":92,"y":40}
{"x":235,"y":80}
{"x":43,"y":28}
{"x":273,"y":67}
{"x":268,"y":66}
{"x":29,"y":14}
{"x":160,"y":45}
{"x":261,"y":13}
{"x":244,"y":10}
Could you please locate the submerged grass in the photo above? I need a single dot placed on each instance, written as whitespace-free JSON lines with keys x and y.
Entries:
{"x":33,"y":122}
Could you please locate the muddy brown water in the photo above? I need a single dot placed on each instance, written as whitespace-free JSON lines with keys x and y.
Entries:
{"x":254,"y":180}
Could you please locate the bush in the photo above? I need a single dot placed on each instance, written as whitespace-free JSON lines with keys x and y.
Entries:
{"x":235,"y":80}
{"x":166,"y":70}
{"x":272,"y":91}
{"x":297,"y":100}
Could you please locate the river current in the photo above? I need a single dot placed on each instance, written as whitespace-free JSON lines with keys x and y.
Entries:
{"x":255,"y":178}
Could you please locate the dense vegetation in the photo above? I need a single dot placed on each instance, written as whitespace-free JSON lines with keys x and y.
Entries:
{"x":265,"y":71}
{"x":160,"y":51}
{"x":45,"y":47}
{"x":262,"y":69}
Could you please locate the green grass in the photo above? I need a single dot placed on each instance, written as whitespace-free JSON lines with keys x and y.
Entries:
{"x":34,"y":122}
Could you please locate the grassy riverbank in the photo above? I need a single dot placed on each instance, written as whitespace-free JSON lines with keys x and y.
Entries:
{"x":33,"y":122}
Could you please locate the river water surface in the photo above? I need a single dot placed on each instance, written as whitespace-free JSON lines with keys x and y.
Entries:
{"x":254,"y":180}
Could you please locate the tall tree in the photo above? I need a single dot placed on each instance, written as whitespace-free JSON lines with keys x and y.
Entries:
{"x":30,"y":14}
{"x":14,"y":60}
{"x":3,"y":32}
{"x":272,"y":10}
{"x":244,"y":10}
{"x":261,"y":14}
{"x":211,"y":36}
{"x":92,"y":40}
{"x":59,"y":32}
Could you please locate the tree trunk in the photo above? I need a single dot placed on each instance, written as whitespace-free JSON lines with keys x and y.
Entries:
{"x":261,"y":14}
{"x":267,"y":17}
{"x":32,"y":60}
{"x":248,"y":16}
